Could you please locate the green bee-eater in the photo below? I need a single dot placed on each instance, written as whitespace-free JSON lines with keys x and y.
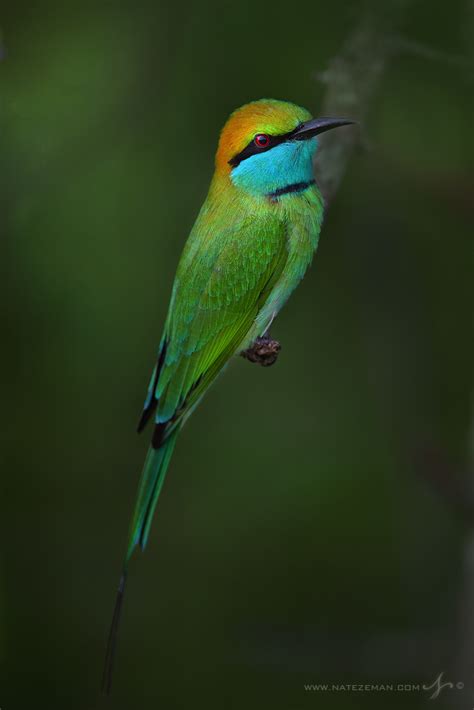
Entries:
{"x":249,"y":248}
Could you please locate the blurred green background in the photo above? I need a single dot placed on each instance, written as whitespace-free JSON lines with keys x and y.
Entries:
{"x":314,"y":525}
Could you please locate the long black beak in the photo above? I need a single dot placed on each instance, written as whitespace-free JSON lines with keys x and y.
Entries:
{"x":318,"y":125}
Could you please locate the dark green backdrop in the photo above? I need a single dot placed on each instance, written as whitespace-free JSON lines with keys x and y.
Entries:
{"x":300,"y":537}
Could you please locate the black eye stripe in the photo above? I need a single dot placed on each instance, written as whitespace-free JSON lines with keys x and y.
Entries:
{"x":253,"y":149}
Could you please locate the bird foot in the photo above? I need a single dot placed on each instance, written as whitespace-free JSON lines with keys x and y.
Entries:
{"x":264,"y":351}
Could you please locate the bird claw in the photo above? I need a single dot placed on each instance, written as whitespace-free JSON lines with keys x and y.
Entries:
{"x":264,"y":351}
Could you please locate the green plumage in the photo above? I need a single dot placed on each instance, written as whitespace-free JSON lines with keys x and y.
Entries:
{"x":151,"y":481}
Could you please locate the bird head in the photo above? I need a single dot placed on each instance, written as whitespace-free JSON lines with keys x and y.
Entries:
{"x":268,"y":145}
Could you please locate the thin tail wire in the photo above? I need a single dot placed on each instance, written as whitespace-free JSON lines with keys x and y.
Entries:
{"x":113,"y":635}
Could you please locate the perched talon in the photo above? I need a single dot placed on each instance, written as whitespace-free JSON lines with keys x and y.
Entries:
{"x":264,"y":351}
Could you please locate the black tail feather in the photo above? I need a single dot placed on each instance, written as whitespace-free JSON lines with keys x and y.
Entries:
{"x":148,"y":410}
{"x":112,"y":640}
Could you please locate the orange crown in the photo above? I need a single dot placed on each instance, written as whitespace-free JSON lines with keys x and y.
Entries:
{"x":263,"y":116}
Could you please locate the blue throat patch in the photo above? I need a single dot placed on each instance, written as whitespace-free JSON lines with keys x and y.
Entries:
{"x":284,"y":169}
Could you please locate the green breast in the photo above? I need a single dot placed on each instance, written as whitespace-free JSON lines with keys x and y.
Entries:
{"x":302,"y":214}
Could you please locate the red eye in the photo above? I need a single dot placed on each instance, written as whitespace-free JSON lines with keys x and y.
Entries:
{"x":261,"y":140}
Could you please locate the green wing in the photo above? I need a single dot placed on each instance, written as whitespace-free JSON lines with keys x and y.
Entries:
{"x":223,"y":280}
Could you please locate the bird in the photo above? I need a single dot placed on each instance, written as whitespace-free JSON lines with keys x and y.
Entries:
{"x":252,"y":242}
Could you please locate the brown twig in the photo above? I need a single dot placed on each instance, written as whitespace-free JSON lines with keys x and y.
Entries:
{"x":351,"y":79}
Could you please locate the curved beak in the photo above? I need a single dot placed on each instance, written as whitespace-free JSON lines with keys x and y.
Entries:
{"x":318,"y":125}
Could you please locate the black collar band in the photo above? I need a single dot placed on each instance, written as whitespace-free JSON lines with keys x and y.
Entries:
{"x":294,"y":187}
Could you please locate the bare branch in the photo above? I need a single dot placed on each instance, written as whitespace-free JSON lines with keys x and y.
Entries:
{"x":351,"y":80}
